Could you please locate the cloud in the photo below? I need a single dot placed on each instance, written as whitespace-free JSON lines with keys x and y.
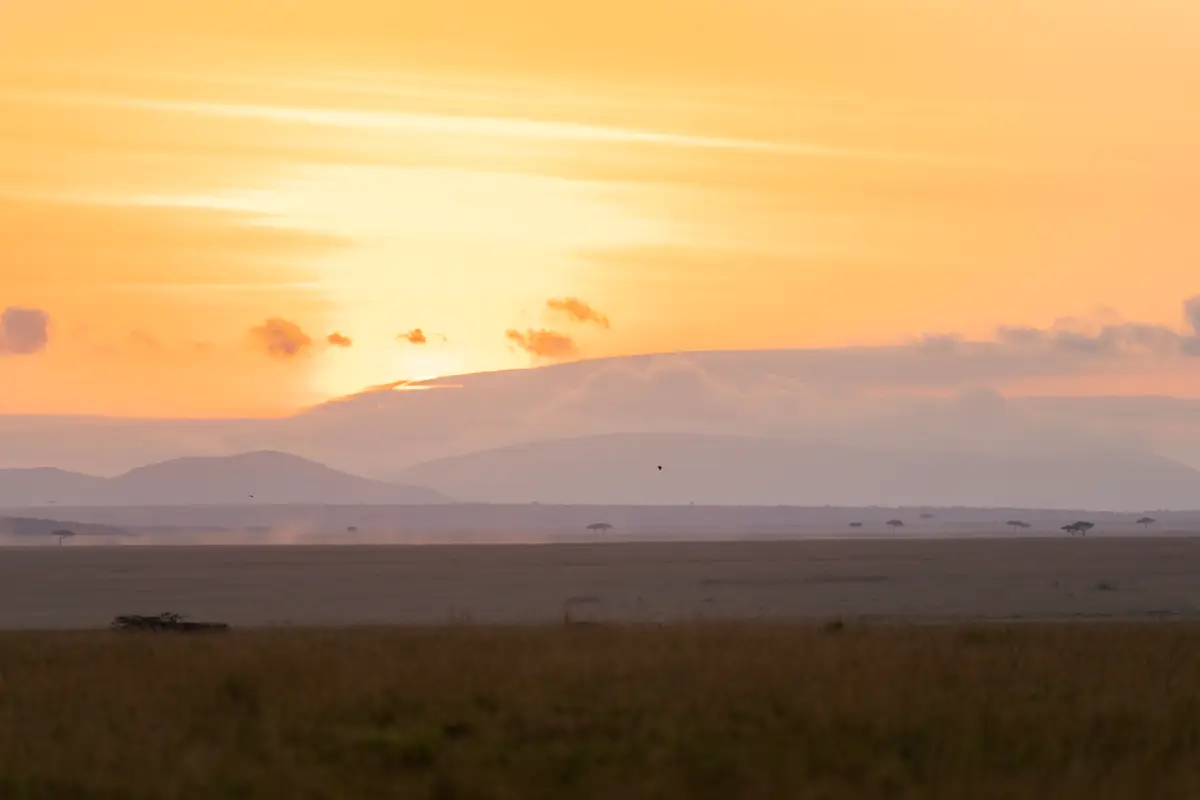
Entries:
{"x":23,"y":331}
{"x":660,"y":388}
{"x":1119,"y":339}
{"x":543,"y":343}
{"x":1191,"y":311}
{"x":686,"y":393}
{"x":577,"y":311}
{"x":281,"y":338}
{"x":415,"y":336}
{"x":1068,"y":346}
{"x":336,"y":339}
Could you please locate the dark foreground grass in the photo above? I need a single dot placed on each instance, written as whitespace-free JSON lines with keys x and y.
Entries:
{"x":690,"y":712}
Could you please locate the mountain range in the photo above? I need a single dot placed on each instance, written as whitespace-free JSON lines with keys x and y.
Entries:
{"x":642,"y":469}
{"x":678,"y":469}
{"x":866,"y":399}
{"x":264,"y":477}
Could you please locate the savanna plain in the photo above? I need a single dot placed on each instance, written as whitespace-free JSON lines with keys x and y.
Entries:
{"x":824,"y":669}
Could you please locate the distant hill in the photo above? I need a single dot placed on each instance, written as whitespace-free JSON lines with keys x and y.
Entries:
{"x":264,"y":477}
{"x":736,"y":470}
{"x":34,"y":528}
{"x":30,"y":487}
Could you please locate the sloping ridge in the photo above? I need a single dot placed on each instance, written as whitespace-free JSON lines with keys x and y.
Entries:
{"x":25,"y":487}
{"x":258,"y":477}
{"x":740,"y":470}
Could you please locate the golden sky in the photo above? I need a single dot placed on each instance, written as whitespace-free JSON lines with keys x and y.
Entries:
{"x":201,"y":193}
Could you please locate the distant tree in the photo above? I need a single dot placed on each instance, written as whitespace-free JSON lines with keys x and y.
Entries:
{"x":1016,"y":523}
{"x":927,"y":515}
{"x":1081,"y":527}
{"x":1146,"y":522}
{"x":895,"y":523}
{"x":855,"y":524}
{"x":600,"y":527}
{"x":352,"y":529}
{"x":62,"y":535}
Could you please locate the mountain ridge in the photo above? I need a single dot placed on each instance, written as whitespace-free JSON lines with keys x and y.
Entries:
{"x":263,"y":476}
{"x":622,"y":469}
{"x":708,"y":469}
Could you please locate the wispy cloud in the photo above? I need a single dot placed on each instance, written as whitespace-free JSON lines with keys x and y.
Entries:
{"x":543,"y":343}
{"x":494,"y":126}
{"x":577,"y":311}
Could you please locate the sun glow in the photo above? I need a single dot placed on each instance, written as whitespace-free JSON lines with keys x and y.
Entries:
{"x":416,"y":239}
{"x":174,"y":174}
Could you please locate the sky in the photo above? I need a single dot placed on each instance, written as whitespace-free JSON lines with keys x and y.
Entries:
{"x":240,"y":208}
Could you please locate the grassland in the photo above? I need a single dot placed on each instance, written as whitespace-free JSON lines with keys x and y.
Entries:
{"x":702,"y":711}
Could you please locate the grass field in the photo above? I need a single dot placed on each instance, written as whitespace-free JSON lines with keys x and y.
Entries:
{"x":705,"y":711}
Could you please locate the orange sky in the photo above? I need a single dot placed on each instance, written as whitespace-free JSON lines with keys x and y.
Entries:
{"x":704,"y":173}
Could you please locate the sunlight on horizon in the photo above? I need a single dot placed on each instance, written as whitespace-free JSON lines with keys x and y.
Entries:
{"x":176,"y":175}
{"x":416,"y":237}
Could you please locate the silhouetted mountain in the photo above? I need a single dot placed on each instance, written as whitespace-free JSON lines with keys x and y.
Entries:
{"x":42,"y":485}
{"x":867,"y":398}
{"x":260,"y":477}
{"x":704,"y":469}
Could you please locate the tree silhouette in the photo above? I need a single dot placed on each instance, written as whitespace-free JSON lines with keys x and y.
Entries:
{"x":600,"y":527}
{"x":855,"y":524}
{"x":927,"y":515}
{"x":1081,"y":527}
{"x":895,"y":523}
{"x":1016,"y":523}
{"x":1146,"y":522}
{"x":62,"y":534}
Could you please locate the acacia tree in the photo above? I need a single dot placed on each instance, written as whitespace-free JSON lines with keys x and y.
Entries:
{"x":895,"y":523}
{"x":63,"y":534}
{"x":600,"y":527}
{"x":1146,"y":522}
{"x":1081,"y":527}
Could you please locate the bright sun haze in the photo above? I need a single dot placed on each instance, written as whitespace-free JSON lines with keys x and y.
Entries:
{"x":243,"y":208}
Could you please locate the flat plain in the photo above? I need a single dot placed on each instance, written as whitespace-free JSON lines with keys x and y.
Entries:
{"x":747,"y":710}
{"x":1048,"y":579}
{"x":719,"y":670}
